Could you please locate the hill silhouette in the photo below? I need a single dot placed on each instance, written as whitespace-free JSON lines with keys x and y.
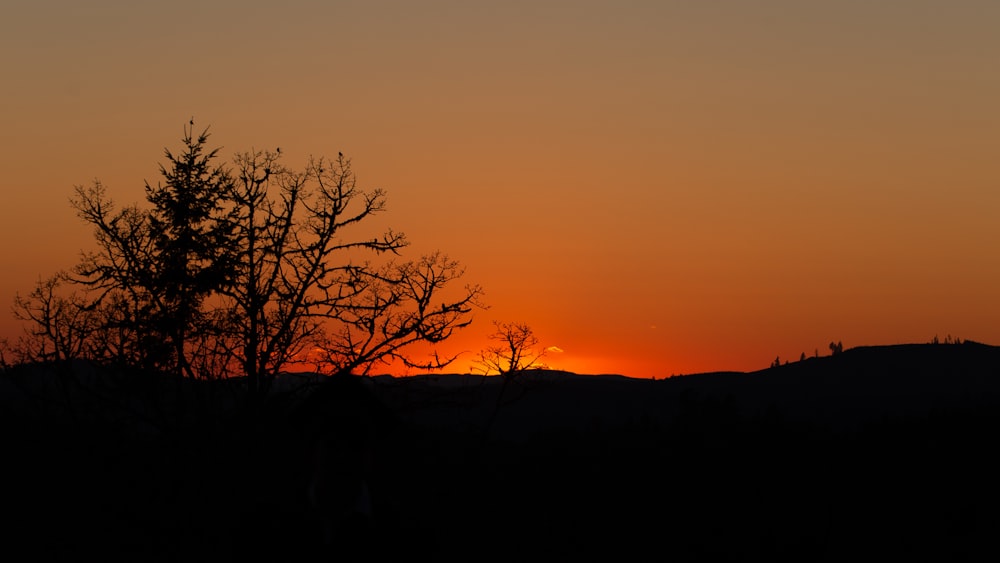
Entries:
{"x":874,"y":452}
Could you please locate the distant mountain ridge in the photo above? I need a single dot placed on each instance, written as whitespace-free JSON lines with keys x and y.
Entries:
{"x":841,"y":390}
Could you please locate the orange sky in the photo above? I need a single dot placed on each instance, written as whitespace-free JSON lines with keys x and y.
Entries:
{"x":656,"y":187}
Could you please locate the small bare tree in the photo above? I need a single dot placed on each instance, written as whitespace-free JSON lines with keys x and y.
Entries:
{"x":515,"y":350}
{"x":57,"y":327}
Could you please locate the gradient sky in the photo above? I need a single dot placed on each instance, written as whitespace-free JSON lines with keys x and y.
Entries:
{"x":656,"y":187}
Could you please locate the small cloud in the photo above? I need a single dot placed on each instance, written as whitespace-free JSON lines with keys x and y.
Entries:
{"x":652,"y":327}
{"x":555,"y":349}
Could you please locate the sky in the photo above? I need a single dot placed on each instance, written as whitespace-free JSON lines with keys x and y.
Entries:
{"x":654,"y":187}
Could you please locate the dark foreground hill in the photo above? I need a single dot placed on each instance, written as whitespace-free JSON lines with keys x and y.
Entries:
{"x":874,"y":453}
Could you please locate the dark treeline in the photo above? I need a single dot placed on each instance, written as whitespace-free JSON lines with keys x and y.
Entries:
{"x":881,"y":452}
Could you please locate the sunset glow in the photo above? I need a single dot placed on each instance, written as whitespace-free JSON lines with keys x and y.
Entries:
{"x":655,"y":187}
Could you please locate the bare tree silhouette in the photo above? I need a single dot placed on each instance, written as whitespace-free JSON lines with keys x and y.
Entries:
{"x":244,"y":271}
{"x":515,"y":351}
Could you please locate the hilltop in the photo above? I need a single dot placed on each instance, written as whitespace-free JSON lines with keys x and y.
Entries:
{"x":858,"y":386}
